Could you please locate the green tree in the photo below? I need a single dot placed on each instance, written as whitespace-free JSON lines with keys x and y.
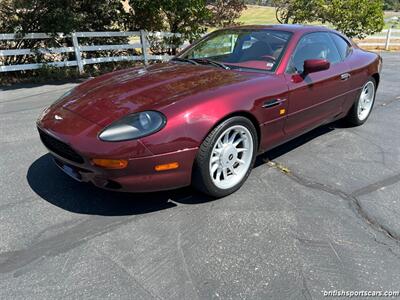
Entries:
{"x":187,"y":17}
{"x":355,"y":18}
{"x":298,"y":11}
{"x":50,"y":16}
{"x":392,"y":5}
{"x":224,"y":12}
{"x":190,"y":18}
{"x":53,"y":16}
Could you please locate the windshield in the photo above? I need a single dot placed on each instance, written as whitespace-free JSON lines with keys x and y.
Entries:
{"x":240,"y":49}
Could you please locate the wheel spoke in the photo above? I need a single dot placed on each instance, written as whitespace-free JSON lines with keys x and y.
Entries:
{"x":214,"y":168}
{"x":219,"y":172}
{"x":233,"y":136}
{"x":225,"y":171}
{"x":214,"y":159}
{"x":232,"y":169}
{"x":240,"y":161}
{"x":226,"y":138}
{"x":239,"y":141}
{"x":241,"y":150}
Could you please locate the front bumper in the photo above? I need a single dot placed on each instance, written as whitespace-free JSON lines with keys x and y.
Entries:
{"x":73,"y":142}
{"x":139,"y":176}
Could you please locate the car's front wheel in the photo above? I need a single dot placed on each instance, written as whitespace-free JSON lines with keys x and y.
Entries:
{"x":226,"y":157}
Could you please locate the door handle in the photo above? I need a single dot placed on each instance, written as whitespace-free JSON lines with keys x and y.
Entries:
{"x":345,"y":76}
{"x":271,"y":103}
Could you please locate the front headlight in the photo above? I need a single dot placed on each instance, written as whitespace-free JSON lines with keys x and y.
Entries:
{"x":134,"y":126}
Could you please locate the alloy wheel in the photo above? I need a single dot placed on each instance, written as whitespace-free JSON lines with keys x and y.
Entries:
{"x":231,"y":157}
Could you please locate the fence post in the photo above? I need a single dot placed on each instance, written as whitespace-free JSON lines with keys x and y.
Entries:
{"x":143,"y":41}
{"x":77,"y":52}
{"x":387,"y":44}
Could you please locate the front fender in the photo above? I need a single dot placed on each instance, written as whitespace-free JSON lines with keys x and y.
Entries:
{"x":189,"y":121}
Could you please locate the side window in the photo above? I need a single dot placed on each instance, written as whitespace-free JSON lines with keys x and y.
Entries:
{"x":316,"y":45}
{"x":343,"y":46}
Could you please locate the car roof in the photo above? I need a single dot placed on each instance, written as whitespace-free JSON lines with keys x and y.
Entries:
{"x":285,"y":27}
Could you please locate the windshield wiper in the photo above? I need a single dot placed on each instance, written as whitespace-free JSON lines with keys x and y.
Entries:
{"x":211,"y":62}
{"x":191,"y":61}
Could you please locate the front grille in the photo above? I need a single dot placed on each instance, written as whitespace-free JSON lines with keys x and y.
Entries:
{"x":60,"y":148}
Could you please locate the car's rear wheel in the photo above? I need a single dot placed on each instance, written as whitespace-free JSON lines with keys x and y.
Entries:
{"x":226,"y":157}
{"x":362,"y":108}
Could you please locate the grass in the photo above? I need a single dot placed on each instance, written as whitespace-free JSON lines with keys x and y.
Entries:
{"x":258,"y":15}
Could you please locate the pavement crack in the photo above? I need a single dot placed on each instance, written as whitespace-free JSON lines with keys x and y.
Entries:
{"x":377,"y":185}
{"x":185,"y":265}
{"x":389,"y":102}
{"x":60,"y":243}
{"x":305,"y":290}
{"x":351,"y":199}
{"x":128,"y":273}
{"x":336,"y":254}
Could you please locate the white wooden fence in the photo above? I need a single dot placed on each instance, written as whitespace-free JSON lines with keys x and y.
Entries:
{"x":386,"y":39}
{"x":143,"y":45}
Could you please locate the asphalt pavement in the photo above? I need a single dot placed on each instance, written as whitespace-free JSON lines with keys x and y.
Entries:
{"x":320,"y":213}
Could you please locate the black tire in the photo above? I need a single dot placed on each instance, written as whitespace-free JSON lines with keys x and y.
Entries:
{"x":352,"y":117}
{"x":201,"y":178}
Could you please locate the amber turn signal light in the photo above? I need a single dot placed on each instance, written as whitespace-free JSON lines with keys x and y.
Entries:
{"x":110,"y":163}
{"x":165,"y":167}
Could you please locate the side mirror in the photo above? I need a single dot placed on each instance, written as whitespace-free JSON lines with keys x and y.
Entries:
{"x":315,"y":65}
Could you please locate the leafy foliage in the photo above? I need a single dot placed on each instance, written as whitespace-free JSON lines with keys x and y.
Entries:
{"x":224,"y":12}
{"x":52,"y":16}
{"x":190,"y":18}
{"x":355,"y":18}
{"x":298,"y":11}
{"x":392,"y":5}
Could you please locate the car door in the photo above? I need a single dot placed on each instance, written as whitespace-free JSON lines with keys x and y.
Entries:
{"x":315,"y":98}
{"x":357,"y":75}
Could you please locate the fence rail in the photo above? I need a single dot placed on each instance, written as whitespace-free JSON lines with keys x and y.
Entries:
{"x":387,"y":38}
{"x":79,"y":61}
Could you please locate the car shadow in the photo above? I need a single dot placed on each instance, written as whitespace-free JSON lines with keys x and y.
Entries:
{"x":52,"y":185}
{"x":297,"y":142}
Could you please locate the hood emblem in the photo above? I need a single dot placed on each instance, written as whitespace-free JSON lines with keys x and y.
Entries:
{"x":58,"y":117}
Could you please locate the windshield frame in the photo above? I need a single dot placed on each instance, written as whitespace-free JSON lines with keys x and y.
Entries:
{"x":211,"y":35}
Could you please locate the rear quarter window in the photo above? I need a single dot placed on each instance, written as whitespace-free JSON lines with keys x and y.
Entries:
{"x":343,"y":46}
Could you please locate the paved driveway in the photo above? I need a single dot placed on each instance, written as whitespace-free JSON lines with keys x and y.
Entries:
{"x":322,"y":214}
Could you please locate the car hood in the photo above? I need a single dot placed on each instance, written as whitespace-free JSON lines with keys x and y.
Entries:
{"x":109,"y":97}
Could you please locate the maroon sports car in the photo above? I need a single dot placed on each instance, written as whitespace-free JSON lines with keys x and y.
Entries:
{"x":203,"y":117}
